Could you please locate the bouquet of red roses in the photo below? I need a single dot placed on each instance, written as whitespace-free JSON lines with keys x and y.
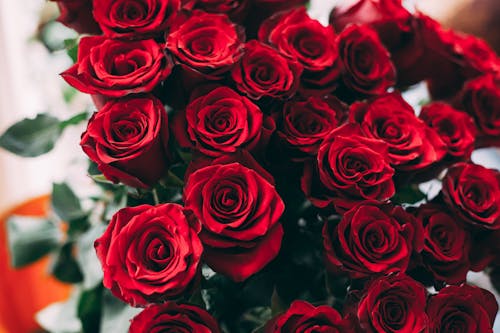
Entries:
{"x":261,"y":170}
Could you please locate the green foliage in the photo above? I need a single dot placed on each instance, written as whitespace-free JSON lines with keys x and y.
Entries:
{"x":89,"y":309}
{"x":65,"y":268}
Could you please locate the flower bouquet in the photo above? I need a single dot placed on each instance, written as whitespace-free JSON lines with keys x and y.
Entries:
{"x":263,"y":172}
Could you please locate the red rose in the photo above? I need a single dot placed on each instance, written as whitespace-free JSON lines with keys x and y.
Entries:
{"x":446,"y":244}
{"x":117,"y":68}
{"x":77,"y":15}
{"x":472,"y":192}
{"x":128,"y":140}
{"x":220,"y":122}
{"x":462,"y":309}
{"x":351,"y":168}
{"x":481,"y":99}
{"x":303,"y":124}
{"x":394,"y":303}
{"x":304,"y":317}
{"x":273,"y":6}
{"x":262,"y":71}
{"x":297,"y":36}
{"x":149,"y":254}
{"x":455,"y":128}
{"x":366,"y":66}
{"x":240,"y":211}
{"x":134,"y":19}
{"x":207,"y":44}
{"x":173,"y":317}
{"x":236,"y":9}
{"x":412,"y":144}
{"x":372,"y":239}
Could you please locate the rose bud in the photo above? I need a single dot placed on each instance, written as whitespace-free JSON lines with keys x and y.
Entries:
{"x":116,"y":68}
{"x":77,"y":15}
{"x":150,"y":254}
{"x":173,"y":317}
{"x":239,"y":208}
{"x":462,"y":309}
{"x":128,"y":140}
{"x":135,"y":19}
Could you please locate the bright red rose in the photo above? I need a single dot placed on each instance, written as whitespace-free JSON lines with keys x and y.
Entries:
{"x":304,"y":317}
{"x":303,"y":124}
{"x":412,"y":144}
{"x":462,"y":309}
{"x":117,"y":68}
{"x":372,"y":239}
{"x":221,"y":122}
{"x":128,"y":140}
{"x":239,"y":208}
{"x":366,"y":66}
{"x":150,"y":254}
{"x":455,"y":128}
{"x":236,"y":9}
{"x":446,"y":244}
{"x":297,"y":36}
{"x":262,"y":71}
{"x":472,"y":192}
{"x":350,"y":168}
{"x":394,"y":303}
{"x":135,"y":18}
{"x":481,"y":99}
{"x":77,"y":15}
{"x":173,"y":317}
{"x":206,"y":44}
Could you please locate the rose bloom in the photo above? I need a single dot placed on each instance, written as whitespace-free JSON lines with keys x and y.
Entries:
{"x":394,"y":303}
{"x":128,"y":139}
{"x":135,"y":19}
{"x":446,"y":244}
{"x":263,"y":72}
{"x":77,"y":15}
{"x":221,"y":122}
{"x":206,"y":44}
{"x":350,"y":168}
{"x":472,"y":192}
{"x":237,"y":10}
{"x":173,"y":317}
{"x":297,"y":36}
{"x":149,"y":254}
{"x":116,"y":68}
{"x":412,"y":144}
{"x":462,"y":309}
{"x":239,"y":207}
{"x":372,"y":239}
{"x":366,"y":66}
{"x":304,"y":317}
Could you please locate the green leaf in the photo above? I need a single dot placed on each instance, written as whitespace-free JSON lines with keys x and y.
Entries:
{"x":65,"y":203}
{"x":65,"y":267}
{"x":32,"y":137}
{"x":30,"y":239}
{"x":277,"y":304}
{"x":87,"y":258}
{"x":71,"y":46}
{"x":75,"y":120}
{"x":101,"y":179}
{"x":408,"y":195}
{"x":89,"y":309}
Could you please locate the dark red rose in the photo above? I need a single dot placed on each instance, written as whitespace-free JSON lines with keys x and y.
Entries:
{"x":128,"y":140}
{"x":135,"y":18}
{"x":472,"y":192}
{"x":481,"y":99}
{"x":262,"y":71}
{"x":455,"y":128}
{"x":372,"y":239}
{"x":462,"y":309}
{"x":236,"y":9}
{"x":239,"y":208}
{"x":412,"y":144}
{"x":77,"y":15}
{"x":221,"y":122}
{"x":304,"y":317}
{"x":117,"y":68}
{"x":297,"y":36}
{"x":173,"y":317}
{"x":273,"y":6}
{"x":303,"y":124}
{"x":207,"y":44}
{"x":149,"y":253}
{"x":366,"y":66}
{"x":394,"y":303}
{"x":351,"y":168}
{"x":446,"y":244}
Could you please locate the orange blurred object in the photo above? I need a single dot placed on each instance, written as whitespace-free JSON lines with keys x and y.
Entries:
{"x":25,"y":291}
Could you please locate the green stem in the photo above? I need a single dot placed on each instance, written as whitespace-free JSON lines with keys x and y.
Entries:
{"x":75,"y":120}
